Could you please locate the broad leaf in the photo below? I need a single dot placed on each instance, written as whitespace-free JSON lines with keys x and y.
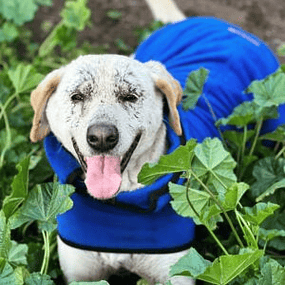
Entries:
{"x":38,"y":279}
{"x":19,"y":11}
{"x":271,"y":190}
{"x":237,"y":138}
{"x":207,"y":210}
{"x":233,"y":195}
{"x":18,"y":254}
{"x":225,"y":268}
{"x":19,"y":188}
{"x":199,"y":200}
{"x":10,"y":276}
{"x":214,"y":163}
{"x":5,"y":236}
{"x":192,"y":265}
{"x":267,"y":172}
{"x":278,"y":135}
{"x":259,"y":212}
{"x":76,"y":14}
{"x":241,"y":116}
{"x":269,"y":91}
{"x":272,"y":274}
{"x":8,"y":32}
{"x":268,"y":235}
{"x":194,"y":87}
{"x":177,"y":161}
{"x":24,"y":77}
{"x":43,"y":204}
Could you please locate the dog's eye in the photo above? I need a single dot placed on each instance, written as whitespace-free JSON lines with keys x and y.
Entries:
{"x":77,"y":97}
{"x":128,"y":98}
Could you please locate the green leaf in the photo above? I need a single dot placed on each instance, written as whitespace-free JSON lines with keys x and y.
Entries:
{"x":18,"y":254}
{"x":237,"y":137}
{"x":8,"y":32}
{"x":43,"y":204}
{"x":225,"y":268}
{"x":259,"y":212}
{"x":76,"y":14}
{"x":241,"y":116}
{"x":269,"y":91}
{"x":194,"y":87}
{"x":24,"y":77}
{"x":177,"y":161}
{"x":271,"y":190}
{"x":211,"y":161}
{"x":272,"y":274}
{"x":192,"y":265}
{"x":268,"y":235}
{"x":199,"y":200}
{"x":19,"y":188}
{"x":19,"y":11}
{"x":38,"y":279}
{"x":233,"y":195}
{"x":267,"y":172}
{"x":10,"y":276}
{"x":278,"y":135}
{"x":5,"y":236}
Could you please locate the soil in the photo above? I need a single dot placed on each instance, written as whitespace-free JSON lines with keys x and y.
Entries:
{"x":264,"y":18}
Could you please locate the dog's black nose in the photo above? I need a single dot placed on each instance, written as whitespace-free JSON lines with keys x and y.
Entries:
{"x":102,"y":137}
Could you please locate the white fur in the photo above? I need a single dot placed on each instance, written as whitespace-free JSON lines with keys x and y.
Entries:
{"x":100,"y":76}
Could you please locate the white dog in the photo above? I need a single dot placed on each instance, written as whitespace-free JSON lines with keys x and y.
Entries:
{"x":106,"y":111}
{"x":107,"y":117}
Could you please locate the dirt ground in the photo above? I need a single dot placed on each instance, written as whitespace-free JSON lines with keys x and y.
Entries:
{"x":264,"y":18}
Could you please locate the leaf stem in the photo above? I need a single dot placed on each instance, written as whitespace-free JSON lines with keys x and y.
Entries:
{"x":258,"y":128}
{"x":197,"y":214}
{"x":46,"y":258}
{"x":280,"y":152}
{"x":220,"y":206}
{"x":241,"y":220}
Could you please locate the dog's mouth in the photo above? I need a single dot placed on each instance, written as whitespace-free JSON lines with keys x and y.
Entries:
{"x":104,"y":173}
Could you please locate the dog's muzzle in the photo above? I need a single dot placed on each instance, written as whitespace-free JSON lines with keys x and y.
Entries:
{"x":103,"y":173}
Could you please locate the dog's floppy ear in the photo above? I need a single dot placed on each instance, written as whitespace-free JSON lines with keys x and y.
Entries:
{"x":171,"y":89}
{"x":39,"y":98}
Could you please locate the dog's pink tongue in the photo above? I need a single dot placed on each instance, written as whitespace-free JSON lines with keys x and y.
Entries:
{"x":103,"y":177}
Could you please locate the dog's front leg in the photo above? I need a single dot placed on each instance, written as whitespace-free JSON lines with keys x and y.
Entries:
{"x":155,"y":268}
{"x":81,"y":265}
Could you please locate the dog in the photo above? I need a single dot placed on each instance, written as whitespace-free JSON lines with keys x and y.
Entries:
{"x":102,"y":118}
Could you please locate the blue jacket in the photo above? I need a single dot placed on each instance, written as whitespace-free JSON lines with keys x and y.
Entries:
{"x":143,"y":220}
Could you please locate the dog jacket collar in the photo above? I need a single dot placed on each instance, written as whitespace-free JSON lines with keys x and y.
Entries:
{"x":135,"y":223}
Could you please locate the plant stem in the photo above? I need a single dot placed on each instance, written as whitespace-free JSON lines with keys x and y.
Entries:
{"x":280,"y":152}
{"x":8,"y":136}
{"x":197,"y":214}
{"x":45,"y":263}
{"x":258,"y":128}
{"x":220,"y":206}
{"x":241,"y":220}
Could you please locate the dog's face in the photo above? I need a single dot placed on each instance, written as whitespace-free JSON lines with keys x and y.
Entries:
{"x":106,"y":111}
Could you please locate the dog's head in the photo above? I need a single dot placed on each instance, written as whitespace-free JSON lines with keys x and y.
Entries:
{"x":107,"y":111}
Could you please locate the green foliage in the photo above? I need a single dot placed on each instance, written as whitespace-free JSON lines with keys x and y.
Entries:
{"x":194,"y":87}
{"x":223,"y":182}
{"x":233,"y":188}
